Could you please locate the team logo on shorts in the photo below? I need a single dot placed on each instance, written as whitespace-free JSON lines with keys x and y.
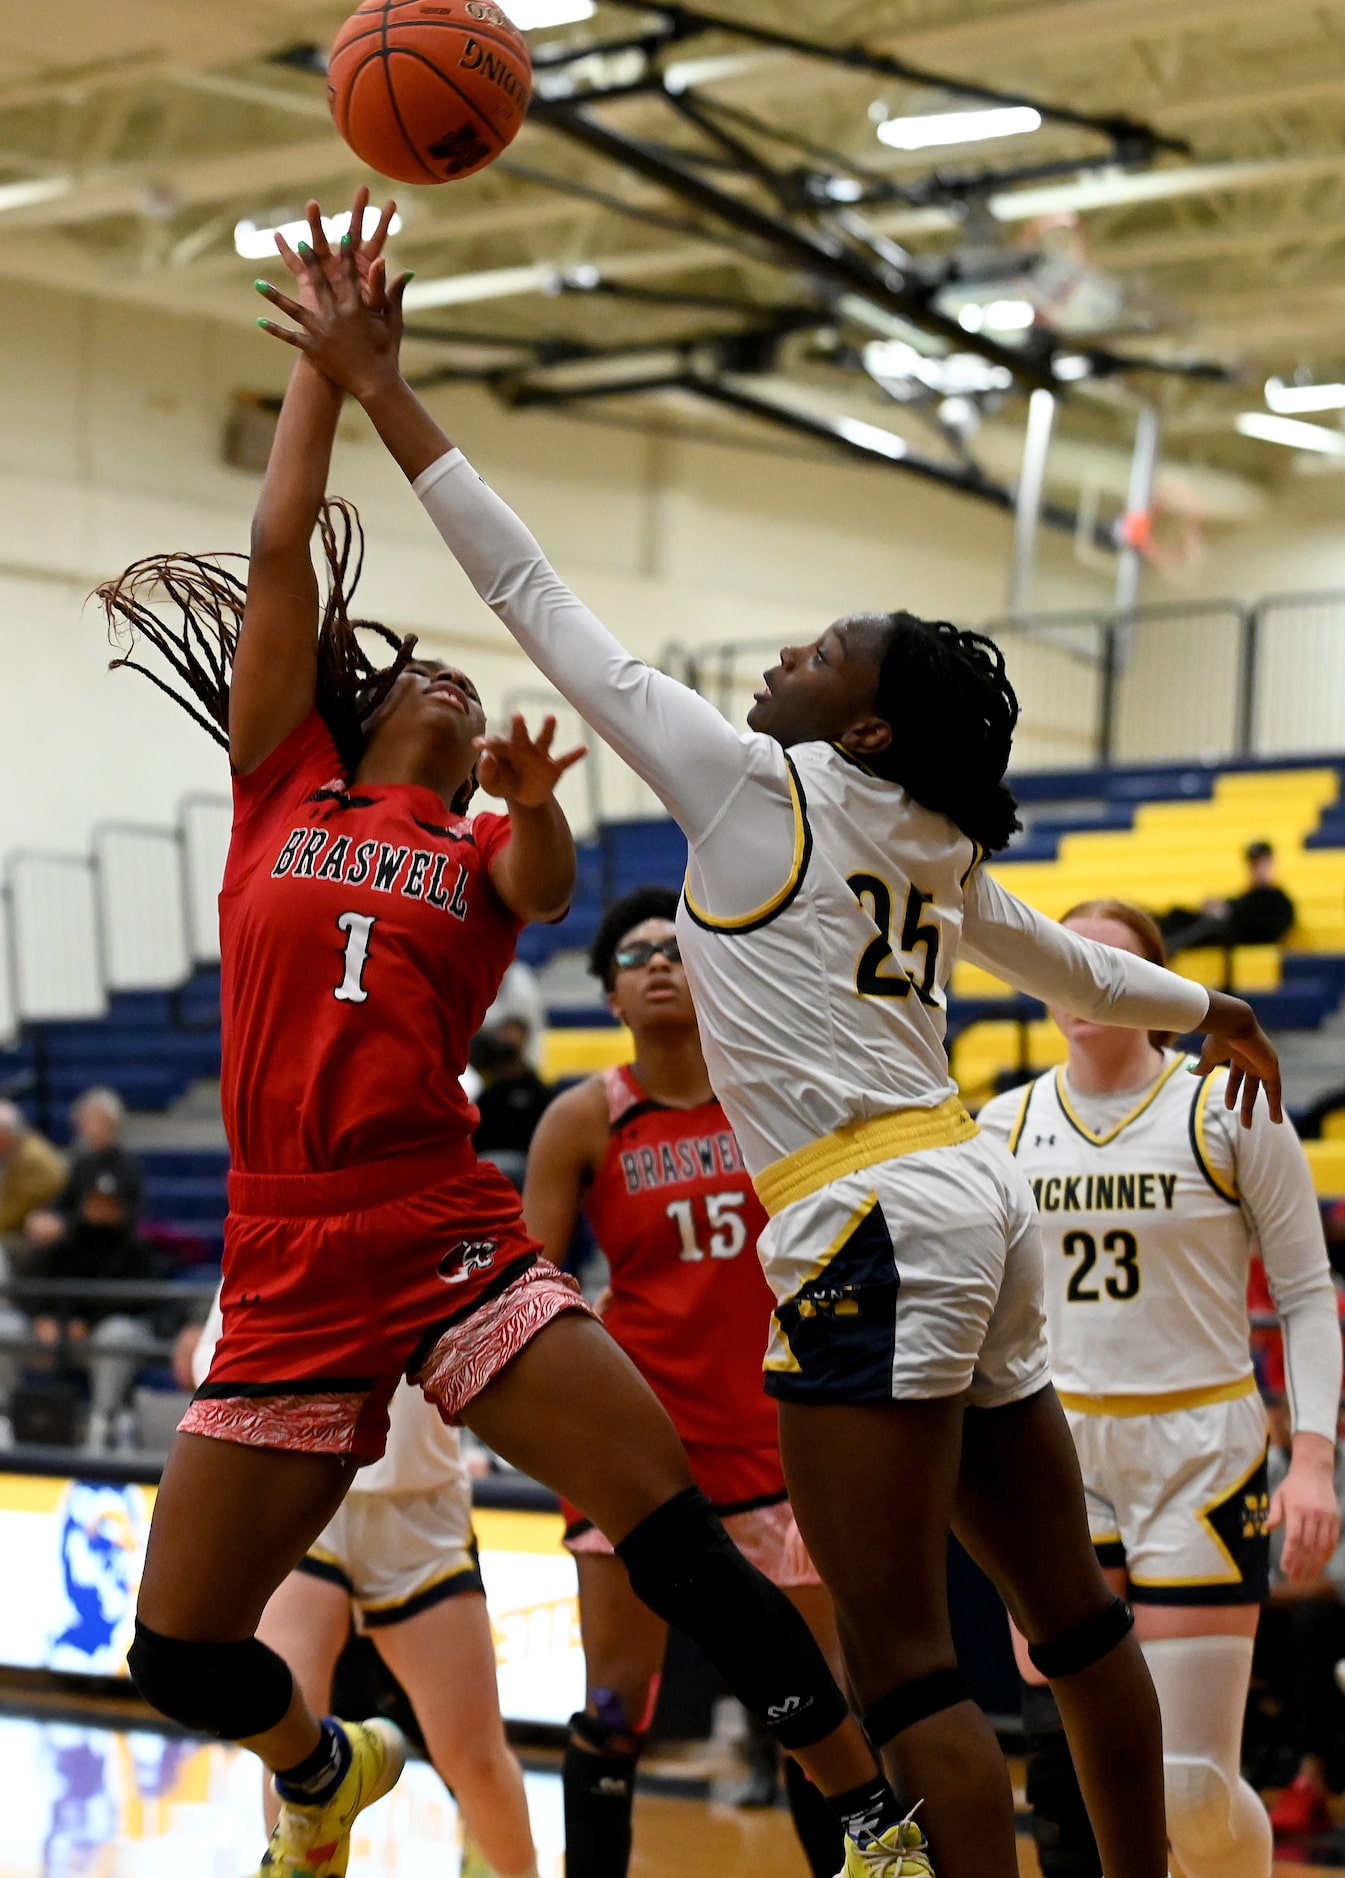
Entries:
{"x":467,"y":1257}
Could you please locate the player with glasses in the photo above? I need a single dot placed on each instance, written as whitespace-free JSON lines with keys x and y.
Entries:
{"x":646,"y":1153}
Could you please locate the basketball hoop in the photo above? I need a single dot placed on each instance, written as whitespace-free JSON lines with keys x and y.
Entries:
{"x":1169,"y":534}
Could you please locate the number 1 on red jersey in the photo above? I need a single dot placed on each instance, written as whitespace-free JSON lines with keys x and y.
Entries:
{"x":359,"y":926}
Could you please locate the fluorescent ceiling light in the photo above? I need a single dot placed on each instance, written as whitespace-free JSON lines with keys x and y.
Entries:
{"x":945,"y":127}
{"x":259,"y":244}
{"x":870,"y":437}
{"x":530,"y":16}
{"x":1288,"y":400}
{"x":27,"y":195}
{"x":1291,"y":433}
{"x":1000,"y":316}
{"x":960,"y":374}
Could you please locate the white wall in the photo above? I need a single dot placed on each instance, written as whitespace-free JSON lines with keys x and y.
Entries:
{"x":111,"y":425}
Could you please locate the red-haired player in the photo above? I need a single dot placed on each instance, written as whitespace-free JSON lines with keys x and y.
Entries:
{"x":647,"y":1153}
{"x":365,"y":927}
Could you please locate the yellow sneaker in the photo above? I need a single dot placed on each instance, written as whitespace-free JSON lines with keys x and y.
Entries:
{"x":314,"y":1841}
{"x":901,"y":1852}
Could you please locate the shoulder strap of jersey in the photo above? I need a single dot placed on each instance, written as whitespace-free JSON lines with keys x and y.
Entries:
{"x":1201,"y":1146}
{"x":1020,"y":1119}
{"x":623,"y":1092}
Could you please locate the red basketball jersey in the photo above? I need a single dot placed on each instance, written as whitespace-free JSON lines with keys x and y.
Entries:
{"x":675,"y":1212}
{"x":361,"y":945}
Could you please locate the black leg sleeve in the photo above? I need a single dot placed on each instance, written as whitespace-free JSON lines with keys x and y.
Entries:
{"x":1066,"y":1847}
{"x":819,"y":1831}
{"x":685,"y":1567}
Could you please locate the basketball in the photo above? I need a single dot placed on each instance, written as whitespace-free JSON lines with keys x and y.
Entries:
{"x":427,"y":91}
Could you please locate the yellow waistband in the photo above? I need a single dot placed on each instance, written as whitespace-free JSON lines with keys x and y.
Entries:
{"x":860,"y":1145}
{"x":1167,"y":1404}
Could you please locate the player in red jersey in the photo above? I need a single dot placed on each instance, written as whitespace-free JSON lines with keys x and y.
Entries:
{"x":366,"y":924}
{"x":647,"y":1153}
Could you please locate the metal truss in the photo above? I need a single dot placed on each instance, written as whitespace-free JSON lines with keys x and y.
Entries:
{"x":770,"y":194}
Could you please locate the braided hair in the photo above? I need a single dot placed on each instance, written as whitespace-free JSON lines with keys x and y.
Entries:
{"x":198,"y":648}
{"x":952,"y":709}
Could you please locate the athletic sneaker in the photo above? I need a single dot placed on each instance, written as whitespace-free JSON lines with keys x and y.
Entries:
{"x":901,"y":1852}
{"x":314,"y":1841}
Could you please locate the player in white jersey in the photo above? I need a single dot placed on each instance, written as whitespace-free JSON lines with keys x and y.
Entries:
{"x":1151,"y":1202}
{"x":401,"y":1554}
{"x":833,"y":878}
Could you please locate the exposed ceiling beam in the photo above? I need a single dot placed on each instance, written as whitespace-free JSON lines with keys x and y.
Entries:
{"x":1300,"y":94}
{"x":1201,"y":244}
{"x":1057,"y":23}
{"x":247,"y":172}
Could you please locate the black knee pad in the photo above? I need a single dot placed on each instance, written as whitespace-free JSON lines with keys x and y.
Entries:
{"x":684,"y":1566}
{"x":912,"y":1702}
{"x":1066,"y":1847}
{"x":1087,"y":1643}
{"x":229,"y":1690}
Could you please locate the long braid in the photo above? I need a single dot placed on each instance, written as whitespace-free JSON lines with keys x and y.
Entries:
{"x":208,"y":598}
{"x":953,"y":712}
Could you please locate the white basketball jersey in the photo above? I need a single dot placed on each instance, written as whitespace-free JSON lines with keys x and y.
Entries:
{"x":1146,"y":1247}
{"x":827,"y":1005}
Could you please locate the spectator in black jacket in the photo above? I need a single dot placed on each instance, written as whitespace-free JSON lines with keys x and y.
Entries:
{"x":89,"y":1234}
{"x":1261,"y":916}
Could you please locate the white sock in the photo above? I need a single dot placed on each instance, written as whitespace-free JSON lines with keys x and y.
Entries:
{"x":1216,"y":1824}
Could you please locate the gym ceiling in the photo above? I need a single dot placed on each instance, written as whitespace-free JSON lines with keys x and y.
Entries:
{"x":701,"y":228}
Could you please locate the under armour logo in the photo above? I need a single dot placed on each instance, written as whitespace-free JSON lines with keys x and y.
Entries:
{"x":470,"y":1255}
{"x":1044,"y":1141}
{"x":790,"y":1706}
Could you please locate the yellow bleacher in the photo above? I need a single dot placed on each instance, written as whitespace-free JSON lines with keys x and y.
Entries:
{"x":1181,"y":853}
{"x":567,"y":1053}
{"x":1178,"y":854}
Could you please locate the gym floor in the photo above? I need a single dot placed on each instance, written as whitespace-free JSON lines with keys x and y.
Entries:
{"x":131,"y":1803}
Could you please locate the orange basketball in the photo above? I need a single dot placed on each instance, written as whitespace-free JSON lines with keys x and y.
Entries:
{"x":428,"y":90}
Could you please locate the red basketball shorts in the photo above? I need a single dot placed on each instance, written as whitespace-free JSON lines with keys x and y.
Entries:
{"x":337,"y":1285}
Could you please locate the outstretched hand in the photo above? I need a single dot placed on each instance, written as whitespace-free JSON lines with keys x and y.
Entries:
{"x":1234,"y":1036}
{"x":347,"y":319}
{"x":366,"y":248}
{"x":519,"y":768}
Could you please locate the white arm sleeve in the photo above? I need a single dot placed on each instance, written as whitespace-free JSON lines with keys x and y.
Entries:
{"x":1043,"y":958}
{"x":1275,"y":1184}
{"x":677,"y":741}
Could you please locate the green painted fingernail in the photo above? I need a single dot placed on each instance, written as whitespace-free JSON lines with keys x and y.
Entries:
{"x":410,"y":277}
{"x":262,"y":322}
{"x":345,"y":240}
{"x":304,"y":248}
{"x":262,"y":286}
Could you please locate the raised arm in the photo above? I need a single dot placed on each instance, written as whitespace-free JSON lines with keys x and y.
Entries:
{"x":275,"y":665}
{"x":1036,"y":955}
{"x":668,"y":734}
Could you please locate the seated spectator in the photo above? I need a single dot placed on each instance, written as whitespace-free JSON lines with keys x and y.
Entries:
{"x":1300,"y":1642}
{"x":97,"y":1116}
{"x":512,"y":1098}
{"x":32,"y":1171}
{"x":89,"y":1232}
{"x":100,"y":1244}
{"x":1261,"y":916}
